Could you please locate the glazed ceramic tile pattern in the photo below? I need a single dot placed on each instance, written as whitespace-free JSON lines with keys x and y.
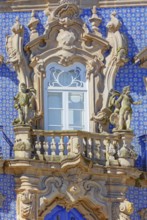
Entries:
{"x":8,"y":211}
{"x":134,"y":21}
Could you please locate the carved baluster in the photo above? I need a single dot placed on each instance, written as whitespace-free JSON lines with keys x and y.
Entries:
{"x":69,"y":152}
{"x":85,"y":146}
{"x":76,"y":143}
{"x":38,"y":149}
{"x":107,"y":145}
{"x":89,"y":148}
{"x":97,"y":149}
{"x":53,"y":147}
{"x":102,"y":152}
{"x":46,"y":147}
{"x":61,"y":146}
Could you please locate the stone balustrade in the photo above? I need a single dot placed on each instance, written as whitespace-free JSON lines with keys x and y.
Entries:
{"x":105,"y":149}
{"x":101,"y":148}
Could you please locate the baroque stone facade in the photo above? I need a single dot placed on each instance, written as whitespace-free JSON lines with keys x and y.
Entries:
{"x":90,"y":171}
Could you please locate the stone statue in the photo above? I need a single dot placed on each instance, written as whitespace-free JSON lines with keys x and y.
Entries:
{"x":122,"y":113}
{"x":25,"y":104}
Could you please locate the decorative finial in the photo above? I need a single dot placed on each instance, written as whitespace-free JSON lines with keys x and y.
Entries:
{"x":95,"y":21}
{"x":32,"y":26}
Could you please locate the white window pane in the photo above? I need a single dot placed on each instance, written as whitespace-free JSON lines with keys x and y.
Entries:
{"x":55,"y":128}
{"x":76,"y":118}
{"x":55,"y":117}
{"x":76,"y":100}
{"x":54,"y":100}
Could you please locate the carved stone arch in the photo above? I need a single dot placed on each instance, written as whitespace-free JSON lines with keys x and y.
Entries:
{"x":86,"y":208}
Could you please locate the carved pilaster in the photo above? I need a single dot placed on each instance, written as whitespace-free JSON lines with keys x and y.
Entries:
{"x":27,"y":198}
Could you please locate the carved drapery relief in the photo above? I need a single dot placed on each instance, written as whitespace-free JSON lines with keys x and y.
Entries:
{"x":67,"y":40}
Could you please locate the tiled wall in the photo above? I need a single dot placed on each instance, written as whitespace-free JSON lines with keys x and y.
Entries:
{"x":134,"y":23}
{"x":8,"y":210}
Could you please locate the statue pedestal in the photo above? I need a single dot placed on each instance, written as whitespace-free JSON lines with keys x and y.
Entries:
{"x":23,"y":143}
{"x":126,"y":153}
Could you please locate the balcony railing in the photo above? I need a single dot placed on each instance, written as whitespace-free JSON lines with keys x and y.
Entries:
{"x":103,"y":149}
{"x":57,"y":145}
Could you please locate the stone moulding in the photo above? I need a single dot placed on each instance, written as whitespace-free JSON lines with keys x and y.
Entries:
{"x":26,"y":5}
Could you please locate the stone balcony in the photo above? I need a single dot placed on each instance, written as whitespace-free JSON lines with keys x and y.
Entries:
{"x":104,"y":149}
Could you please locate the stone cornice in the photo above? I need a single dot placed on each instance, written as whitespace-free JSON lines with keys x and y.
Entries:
{"x":39,"y":168}
{"x":28,"y":5}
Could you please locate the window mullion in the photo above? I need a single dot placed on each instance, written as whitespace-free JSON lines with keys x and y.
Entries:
{"x":66,"y":111}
